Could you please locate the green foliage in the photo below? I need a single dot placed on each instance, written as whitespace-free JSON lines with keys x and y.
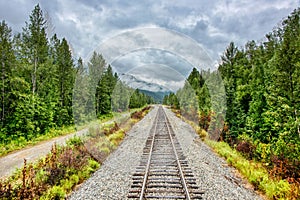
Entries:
{"x":51,"y":177}
{"x":56,"y":192}
{"x":104,"y":92}
{"x":171,"y":100}
{"x":120,"y":98}
{"x":139,"y":99}
{"x":254,"y":172}
{"x":21,"y":142}
{"x":263,"y":86}
{"x":7,"y":62}
{"x":56,"y":175}
{"x":38,"y":76}
{"x":116,"y":137}
{"x":74,"y":142}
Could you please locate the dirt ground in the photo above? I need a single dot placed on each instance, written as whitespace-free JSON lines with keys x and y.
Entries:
{"x":10,"y":162}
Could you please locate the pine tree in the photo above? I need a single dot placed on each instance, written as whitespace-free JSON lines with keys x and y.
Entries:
{"x":7,"y":61}
{"x":81,"y":95}
{"x":96,"y":68}
{"x":35,"y":46}
{"x":104,"y":91}
{"x":66,"y":78}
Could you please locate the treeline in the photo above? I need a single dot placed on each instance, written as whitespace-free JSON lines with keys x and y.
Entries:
{"x":98,"y":91}
{"x":38,"y":74}
{"x":262,"y":83}
{"x":193,"y":99}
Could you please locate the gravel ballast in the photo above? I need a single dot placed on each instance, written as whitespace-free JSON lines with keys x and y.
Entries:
{"x":213,"y":175}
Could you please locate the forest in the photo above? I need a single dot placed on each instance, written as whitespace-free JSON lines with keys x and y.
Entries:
{"x":262,"y":83}
{"x":38,"y":73}
{"x":261,"y":79}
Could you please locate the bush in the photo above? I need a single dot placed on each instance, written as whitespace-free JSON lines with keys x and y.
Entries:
{"x":54,"y":176}
{"x":116,"y":137}
{"x":254,"y":172}
{"x":56,"y":192}
{"x":202,"y":133}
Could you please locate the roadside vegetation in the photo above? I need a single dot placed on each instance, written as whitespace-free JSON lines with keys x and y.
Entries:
{"x":38,"y":79}
{"x":261,"y":132}
{"x":65,"y":167}
{"x":41,"y":86}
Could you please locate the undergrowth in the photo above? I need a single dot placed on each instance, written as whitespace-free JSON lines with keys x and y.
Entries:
{"x":57,"y":174}
{"x":21,"y":142}
{"x":276,"y":181}
{"x":254,"y":172}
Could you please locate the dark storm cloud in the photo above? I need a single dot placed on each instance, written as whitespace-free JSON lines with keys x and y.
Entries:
{"x":212,"y":23}
{"x":148,"y":58}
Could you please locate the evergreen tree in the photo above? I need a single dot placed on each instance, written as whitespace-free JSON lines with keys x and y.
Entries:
{"x":104,"y":91}
{"x":81,"y":95}
{"x":66,"y":75}
{"x":139,"y":99}
{"x":96,"y":68}
{"x":7,"y":61}
{"x":35,"y":46}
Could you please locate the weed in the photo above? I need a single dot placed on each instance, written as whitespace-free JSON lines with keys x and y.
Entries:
{"x":56,"y":192}
{"x":55,"y":175}
{"x":254,"y":172}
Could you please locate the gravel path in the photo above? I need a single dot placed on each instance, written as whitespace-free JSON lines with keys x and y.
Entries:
{"x":113,"y":179}
{"x":10,"y":162}
{"x":213,"y":175}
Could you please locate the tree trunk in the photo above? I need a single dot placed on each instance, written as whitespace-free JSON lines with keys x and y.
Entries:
{"x":34,"y":76}
{"x":3,"y":92}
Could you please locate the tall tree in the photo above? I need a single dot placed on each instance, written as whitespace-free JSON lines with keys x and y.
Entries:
{"x":7,"y":61}
{"x":104,"y":91}
{"x":66,"y":78}
{"x":96,"y":68}
{"x":35,"y":45}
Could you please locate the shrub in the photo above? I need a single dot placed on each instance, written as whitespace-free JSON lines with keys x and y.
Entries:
{"x":202,"y":133}
{"x":254,"y":172}
{"x":56,"y":192}
{"x":246,"y":148}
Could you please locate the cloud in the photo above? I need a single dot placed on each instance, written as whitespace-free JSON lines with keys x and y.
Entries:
{"x":154,"y":66}
{"x":15,"y":12}
{"x":211,"y":23}
{"x":159,"y":74}
{"x":150,"y":57}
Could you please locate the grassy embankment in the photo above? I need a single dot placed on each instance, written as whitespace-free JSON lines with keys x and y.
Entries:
{"x":65,"y":167}
{"x":255,"y":172}
{"x":21,"y":142}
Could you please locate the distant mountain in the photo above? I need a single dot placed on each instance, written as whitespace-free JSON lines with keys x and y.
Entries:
{"x":157,"y":96}
{"x":152,"y":89}
{"x":134,"y":82}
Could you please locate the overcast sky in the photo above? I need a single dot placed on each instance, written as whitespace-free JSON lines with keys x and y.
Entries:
{"x":211,"y":23}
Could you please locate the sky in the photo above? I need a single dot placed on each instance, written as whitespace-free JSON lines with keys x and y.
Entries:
{"x":212,"y":24}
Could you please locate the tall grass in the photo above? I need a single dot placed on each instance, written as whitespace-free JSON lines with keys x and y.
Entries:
{"x":57,"y":174}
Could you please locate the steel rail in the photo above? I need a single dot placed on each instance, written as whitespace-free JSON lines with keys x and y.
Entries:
{"x":177,"y":159}
{"x":163,"y":172}
{"x":149,"y":159}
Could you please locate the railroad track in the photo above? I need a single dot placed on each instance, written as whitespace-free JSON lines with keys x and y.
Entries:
{"x":163,"y":172}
